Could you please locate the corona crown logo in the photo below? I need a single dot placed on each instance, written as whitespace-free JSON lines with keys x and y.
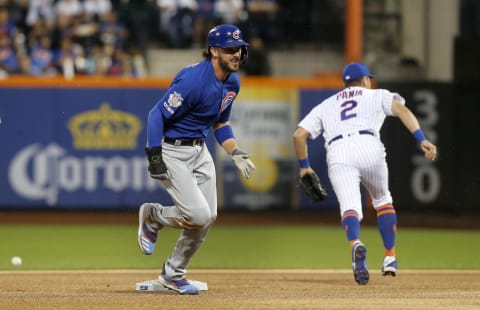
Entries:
{"x":105,"y":129}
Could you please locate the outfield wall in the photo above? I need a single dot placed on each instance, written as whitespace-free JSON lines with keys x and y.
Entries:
{"x":79,"y":144}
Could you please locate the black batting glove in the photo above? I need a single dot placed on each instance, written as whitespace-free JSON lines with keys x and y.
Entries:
{"x":156,"y":166}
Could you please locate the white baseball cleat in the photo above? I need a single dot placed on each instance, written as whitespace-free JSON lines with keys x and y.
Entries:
{"x":389,"y":266}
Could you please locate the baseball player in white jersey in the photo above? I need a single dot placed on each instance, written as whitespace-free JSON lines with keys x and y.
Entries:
{"x":350,"y":122}
{"x":200,"y":98}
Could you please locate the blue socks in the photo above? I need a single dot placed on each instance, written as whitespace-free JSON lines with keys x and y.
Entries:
{"x":351,"y":225}
{"x":387,"y":225}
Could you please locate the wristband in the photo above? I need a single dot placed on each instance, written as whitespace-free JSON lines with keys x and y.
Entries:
{"x":224,"y":133}
{"x":304,"y":163}
{"x":419,"y":136}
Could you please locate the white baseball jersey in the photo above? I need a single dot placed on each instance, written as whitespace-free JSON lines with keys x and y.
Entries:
{"x":350,"y":122}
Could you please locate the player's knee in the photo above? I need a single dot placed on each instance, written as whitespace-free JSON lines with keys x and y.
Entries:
{"x":356,"y":213}
{"x":199,"y":218}
{"x":382,"y":200}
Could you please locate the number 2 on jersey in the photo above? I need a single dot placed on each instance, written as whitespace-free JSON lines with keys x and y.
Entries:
{"x":346,"y":112}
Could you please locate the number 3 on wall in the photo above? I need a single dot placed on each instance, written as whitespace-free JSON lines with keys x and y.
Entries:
{"x":347,"y":108}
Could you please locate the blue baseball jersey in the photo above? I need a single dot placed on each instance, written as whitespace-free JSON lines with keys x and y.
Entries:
{"x":194,"y":102}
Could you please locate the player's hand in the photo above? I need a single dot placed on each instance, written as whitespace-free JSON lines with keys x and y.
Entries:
{"x":311,"y":184}
{"x":243,"y":163}
{"x":429,"y":149}
{"x":156,"y":166}
{"x":304,"y":171}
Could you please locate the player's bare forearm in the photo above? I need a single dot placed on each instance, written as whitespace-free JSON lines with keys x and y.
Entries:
{"x":300,"y":142}
{"x":229,"y":145}
{"x":411,"y":122}
{"x":406,"y":116}
{"x":301,"y":148}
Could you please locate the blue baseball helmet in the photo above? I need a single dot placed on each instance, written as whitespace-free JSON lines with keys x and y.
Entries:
{"x":225,"y":36}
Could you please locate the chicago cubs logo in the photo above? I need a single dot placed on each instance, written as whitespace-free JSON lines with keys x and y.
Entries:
{"x":227,"y":100}
{"x":236,"y":34}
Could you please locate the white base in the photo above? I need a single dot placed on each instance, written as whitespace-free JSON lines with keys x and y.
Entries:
{"x":155,"y":286}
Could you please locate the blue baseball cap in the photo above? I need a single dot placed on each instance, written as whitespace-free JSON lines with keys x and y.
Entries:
{"x":355,"y":71}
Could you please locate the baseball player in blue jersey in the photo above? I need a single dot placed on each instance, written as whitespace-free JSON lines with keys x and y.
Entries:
{"x":199,"y":98}
{"x":350,"y":122}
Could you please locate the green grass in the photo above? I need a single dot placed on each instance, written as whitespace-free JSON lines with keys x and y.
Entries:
{"x":323,"y":247}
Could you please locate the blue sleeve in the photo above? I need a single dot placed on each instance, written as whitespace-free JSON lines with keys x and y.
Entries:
{"x":178,"y":97}
{"x":233,"y":85}
{"x":154,"y":127}
{"x":225,"y":116}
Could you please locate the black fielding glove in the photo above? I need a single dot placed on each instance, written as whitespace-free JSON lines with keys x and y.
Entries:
{"x":312,"y":186}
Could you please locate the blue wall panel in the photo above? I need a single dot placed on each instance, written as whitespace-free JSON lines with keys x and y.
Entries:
{"x":41,"y":166}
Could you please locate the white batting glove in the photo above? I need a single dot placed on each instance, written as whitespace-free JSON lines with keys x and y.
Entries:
{"x":243,"y":163}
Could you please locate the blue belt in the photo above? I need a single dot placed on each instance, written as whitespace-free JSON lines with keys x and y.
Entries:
{"x":362,"y":132}
{"x":184,"y":142}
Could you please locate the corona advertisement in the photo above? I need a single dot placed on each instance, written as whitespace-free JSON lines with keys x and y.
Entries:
{"x":76,"y":149}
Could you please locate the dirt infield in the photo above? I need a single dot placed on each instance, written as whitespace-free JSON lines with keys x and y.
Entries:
{"x":247,"y":289}
{"x":241,"y":289}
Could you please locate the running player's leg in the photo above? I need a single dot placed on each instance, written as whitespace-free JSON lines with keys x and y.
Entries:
{"x":375,"y":181}
{"x":191,"y":240}
{"x":188,"y":243}
{"x":345,"y":181}
{"x":207,"y":182}
{"x":346,"y":184}
{"x":191,"y":209}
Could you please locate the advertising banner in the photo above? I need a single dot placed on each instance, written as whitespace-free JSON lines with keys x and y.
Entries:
{"x":263,"y":121}
{"x":75,"y":148}
{"x":83,"y":147}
